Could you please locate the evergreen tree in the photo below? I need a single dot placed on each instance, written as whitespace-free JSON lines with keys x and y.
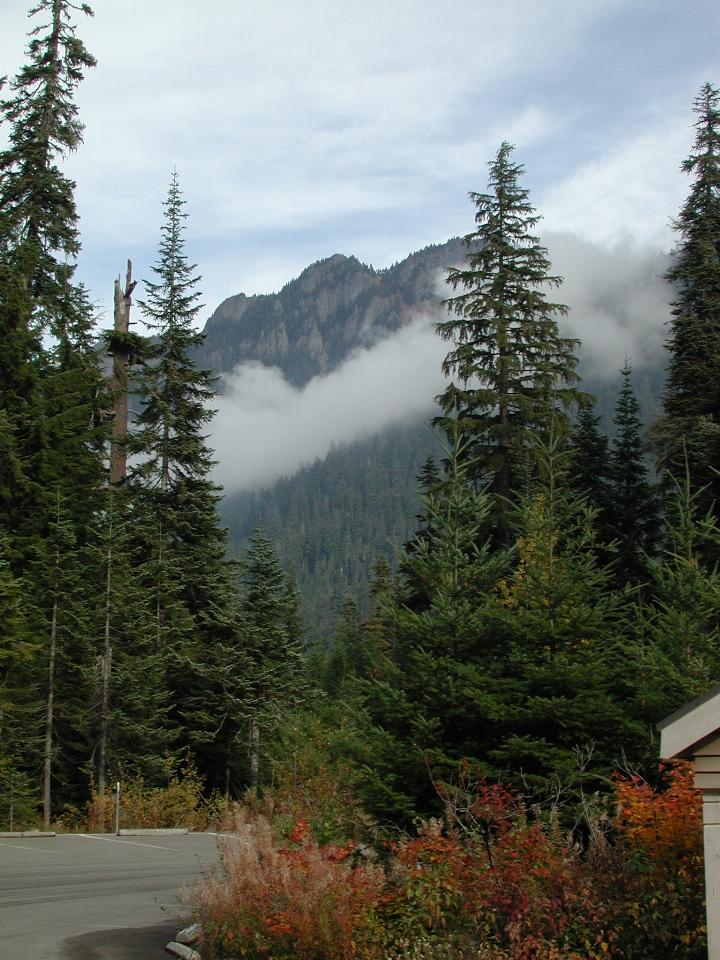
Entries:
{"x":589,"y":475}
{"x":43,"y":405}
{"x":270,"y":612}
{"x":169,"y":427}
{"x":513,"y":370}
{"x":351,"y":656}
{"x":635,"y":509}
{"x":568,"y":671}
{"x":678,"y":619}
{"x":51,"y":396}
{"x":68,"y":646}
{"x":38,"y":219}
{"x":588,"y":463}
{"x":19,"y":649}
{"x":691,"y":425}
{"x":433,"y":698}
{"x":188,"y":577}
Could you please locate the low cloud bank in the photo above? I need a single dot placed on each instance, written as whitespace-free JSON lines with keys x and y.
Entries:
{"x":266,"y":428}
{"x":618,"y":299}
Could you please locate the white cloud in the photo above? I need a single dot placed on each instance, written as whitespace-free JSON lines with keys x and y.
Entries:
{"x":629,"y":194}
{"x":266,"y":428}
{"x":618,"y":300}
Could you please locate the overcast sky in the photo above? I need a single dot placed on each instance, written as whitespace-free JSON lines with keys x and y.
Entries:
{"x":303,"y":128}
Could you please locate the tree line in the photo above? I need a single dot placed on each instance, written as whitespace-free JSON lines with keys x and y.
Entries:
{"x":554,"y":602}
{"x":129,"y":639}
{"x":559,"y":596}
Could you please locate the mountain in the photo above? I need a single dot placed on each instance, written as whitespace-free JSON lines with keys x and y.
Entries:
{"x":333,"y":518}
{"x":334,"y":307}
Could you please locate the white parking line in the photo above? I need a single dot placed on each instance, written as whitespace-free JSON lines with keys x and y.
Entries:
{"x":133,"y":843}
{"x":20,"y":846}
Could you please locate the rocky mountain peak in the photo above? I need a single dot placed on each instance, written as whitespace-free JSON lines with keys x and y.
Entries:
{"x":335,"y":306}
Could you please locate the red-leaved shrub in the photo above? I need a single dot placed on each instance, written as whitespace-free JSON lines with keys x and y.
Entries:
{"x":502,"y":883}
{"x":294,"y":900}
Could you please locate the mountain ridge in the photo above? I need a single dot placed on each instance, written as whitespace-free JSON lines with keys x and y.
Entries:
{"x":336,"y":305}
{"x":330,"y":519}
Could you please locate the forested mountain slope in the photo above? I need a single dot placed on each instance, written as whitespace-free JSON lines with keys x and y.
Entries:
{"x":333,"y":518}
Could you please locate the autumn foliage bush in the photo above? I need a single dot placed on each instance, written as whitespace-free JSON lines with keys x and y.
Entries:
{"x":499,"y":883}
{"x":292,"y":900}
{"x":655,"y":868}
{"x":179,"y":803}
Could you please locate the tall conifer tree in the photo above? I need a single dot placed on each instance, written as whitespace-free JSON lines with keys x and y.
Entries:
{"x":273,"y":631}
{"x":512,"y":368}
{"x":187,"y":574}
{"x":691,"y":425}
{"x":635,"y":509}
{"x":589,"y":474}
{"x":50,"y":382}
{"x":45,"y":399}
{"x":433,"y":696}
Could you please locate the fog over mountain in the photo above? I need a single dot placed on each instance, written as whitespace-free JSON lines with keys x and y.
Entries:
{"x":618,"y":299}
{"x":267,"y":425}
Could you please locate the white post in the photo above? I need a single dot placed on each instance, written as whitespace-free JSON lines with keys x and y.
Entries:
{"x":711,"y":837}
{"x":117,"y":808}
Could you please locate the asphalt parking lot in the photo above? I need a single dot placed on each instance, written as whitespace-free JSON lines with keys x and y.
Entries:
{"x":96,"y":897}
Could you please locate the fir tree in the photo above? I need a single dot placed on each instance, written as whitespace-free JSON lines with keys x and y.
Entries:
{"x":270,"y":612}
{"x":188,"y":576}
{"x":433,"y":697}
{"x":589,"y":460}
{"x":512,"y":369}
{"x":589,"y":475}
{"x":678,"y":620}
{"x":691,"y":425}
{"x":50,"y":383}
{"x":635,"y":510}
{"x":38,"y":219}
{"x":19,"y":649}
{"x":169,"y":427}
{"x":45,"y":400}
{"x":134,"y":732}
{"x":568,"y":671}
{"x":351,"y":654}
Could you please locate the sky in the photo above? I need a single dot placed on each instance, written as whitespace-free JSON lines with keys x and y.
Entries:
{"x":304,"y":128}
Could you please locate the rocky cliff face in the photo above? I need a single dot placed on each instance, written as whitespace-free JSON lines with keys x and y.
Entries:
{"x":331,"y":309}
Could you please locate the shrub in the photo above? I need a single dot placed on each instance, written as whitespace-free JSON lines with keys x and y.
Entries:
{"x":178,"y":804}
{"x":296,"y":900}
{"x":499,"y":882}
{"x":655,"y":869}
{"x":512,"y":886}
{"x":313,"y":781}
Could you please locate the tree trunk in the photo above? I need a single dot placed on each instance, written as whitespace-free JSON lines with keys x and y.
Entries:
{"x":120,"y":378}
{"x":104,"y":665}
{"x":254,"y":755}
{"x":47,"y":757}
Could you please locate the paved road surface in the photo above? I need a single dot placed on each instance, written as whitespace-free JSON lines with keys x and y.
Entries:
{"x":93,"y":897}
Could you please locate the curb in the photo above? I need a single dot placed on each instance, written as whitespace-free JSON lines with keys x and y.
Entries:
{"x":180,"y":950}
{"x":152,"y":831}
{"x":26,"y":834}
{"x":181,"y":947}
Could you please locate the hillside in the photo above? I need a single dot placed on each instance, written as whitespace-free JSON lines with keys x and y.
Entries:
{"x":334,"y":517}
